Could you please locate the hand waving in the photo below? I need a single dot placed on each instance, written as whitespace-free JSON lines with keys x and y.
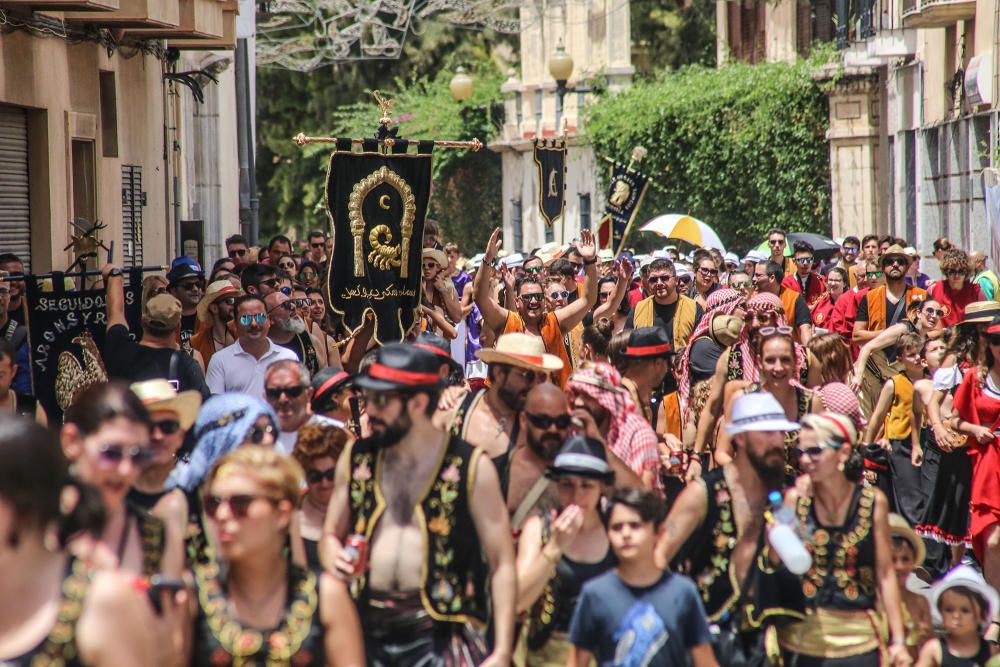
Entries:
{"x":588,"y":246}
{"x":494,"y":245}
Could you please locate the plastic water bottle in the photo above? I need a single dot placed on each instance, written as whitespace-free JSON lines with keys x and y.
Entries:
{"x":783,"y":538}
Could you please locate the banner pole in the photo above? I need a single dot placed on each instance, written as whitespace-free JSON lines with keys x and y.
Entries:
{"x":88,"y":272}
{"x":475,"y":145}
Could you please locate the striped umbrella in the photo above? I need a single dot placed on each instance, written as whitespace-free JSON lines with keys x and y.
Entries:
{"x":684,"y":228}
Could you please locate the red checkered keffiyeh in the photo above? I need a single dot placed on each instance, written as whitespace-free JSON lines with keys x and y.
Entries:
{"x":838,"y":397}
{"x":760,"y":303}
{"x":629,"y":436}
{"x":722,"y":301}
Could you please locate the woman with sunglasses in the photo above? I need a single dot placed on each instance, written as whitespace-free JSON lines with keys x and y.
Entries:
{"x":977,"y":405}
{"x":317,"y":449}
{"x":59,"y":610}
{"x":779,"y":364}
{"x":261,"y":608}
{"x":956,"y":291}
{"x":837,"y":282}
{"x":559,"y":551}
{"x":850,"y":589}
{"x":924,"y":317}
{"x":225,"y":423}
{"x":309,"y":274}
{"x":706,"y":280}
{"x":106,"y":436}
{"x":285,"y":263}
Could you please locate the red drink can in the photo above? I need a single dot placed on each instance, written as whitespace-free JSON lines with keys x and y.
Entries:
{"x":356,"y":548}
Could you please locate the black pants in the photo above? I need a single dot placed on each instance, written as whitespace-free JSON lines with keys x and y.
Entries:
{"x":871,"y":659}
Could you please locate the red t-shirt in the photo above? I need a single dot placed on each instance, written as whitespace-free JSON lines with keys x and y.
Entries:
{"x":955,"y":302}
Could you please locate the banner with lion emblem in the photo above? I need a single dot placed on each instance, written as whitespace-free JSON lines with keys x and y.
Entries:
{"x":625,"y":193}
{"x":378,"y":202}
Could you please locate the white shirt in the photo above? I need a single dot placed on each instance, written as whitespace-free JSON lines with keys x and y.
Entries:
{"x":234,"y":369}
{"x":286,"y":439}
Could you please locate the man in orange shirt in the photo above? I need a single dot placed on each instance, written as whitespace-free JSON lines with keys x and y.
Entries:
{"x":530,"y":315}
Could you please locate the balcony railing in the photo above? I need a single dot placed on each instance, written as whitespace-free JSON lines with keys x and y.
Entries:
{"x":936,"y":13}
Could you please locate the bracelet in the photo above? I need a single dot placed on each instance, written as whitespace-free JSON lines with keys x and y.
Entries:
{"x":590,"y":262}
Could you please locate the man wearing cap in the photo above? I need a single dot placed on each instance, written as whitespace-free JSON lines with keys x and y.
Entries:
{"x":241,"y":366}
{"x":172,"y":415}
{"x":289,"y":330}
{"x":886,"y":305}
{"x":158,"y":355}
{"x":805,"y":281}
{"x":215,"y":313}
{"x":530,"y":316}
{"x":186,"y":281}
{"x":666,"y":308}
{"x":430,"y":508}
{"x":714,"y":526}
{"x":488,"y":418}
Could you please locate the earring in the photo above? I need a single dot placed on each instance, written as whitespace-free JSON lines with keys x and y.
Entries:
{"x":840,"y":466}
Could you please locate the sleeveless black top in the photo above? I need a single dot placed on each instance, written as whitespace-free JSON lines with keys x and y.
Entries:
{"x":220,"y":640}
{"x":460,"y":427}
{"x":842,"y":575}
{"x":980,"y":659}
{"x":59,"y":648}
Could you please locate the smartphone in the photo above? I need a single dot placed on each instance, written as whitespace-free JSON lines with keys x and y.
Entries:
{"x":157,"y":585}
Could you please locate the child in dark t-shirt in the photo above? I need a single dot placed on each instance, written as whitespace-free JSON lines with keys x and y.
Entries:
{"x":637,"y":614}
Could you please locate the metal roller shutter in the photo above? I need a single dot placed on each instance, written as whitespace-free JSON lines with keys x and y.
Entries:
{"x":15,"y":208}
{"x":133,"y":199}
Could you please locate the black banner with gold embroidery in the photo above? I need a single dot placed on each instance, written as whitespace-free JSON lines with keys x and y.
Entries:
{"x":625,"y":193}
{"x":550,"y":159}
{"x":378,"y":202}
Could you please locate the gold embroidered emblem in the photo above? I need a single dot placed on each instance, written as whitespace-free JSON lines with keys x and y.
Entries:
{"x":383,"y":255}
{"x":356,"y":216}
{"x":621,"y":193}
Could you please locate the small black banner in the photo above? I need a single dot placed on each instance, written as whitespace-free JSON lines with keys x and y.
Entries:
{"x":550,"y":158}
{"x":378,"y":203}
{"x":625,"y":193}
{"x":66,"y":333}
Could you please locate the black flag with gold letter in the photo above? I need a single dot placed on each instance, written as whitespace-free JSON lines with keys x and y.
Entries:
{"x":625,"y":193}
{"x":378,"y":202}
{"x":550,"y":158}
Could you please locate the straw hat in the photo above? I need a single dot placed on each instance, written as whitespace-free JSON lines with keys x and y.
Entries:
{"x":898,"y":527}
{"x":161,"y":395}
{"x":549,"y":252}
{"x":522,"y":350}
{"x":436,"y":255}
{"x":895,"y":250}
{"x":217,"y":290}
{"x":981,"y":312}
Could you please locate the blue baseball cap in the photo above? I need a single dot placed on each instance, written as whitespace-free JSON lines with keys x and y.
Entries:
{"x":184,"y":267}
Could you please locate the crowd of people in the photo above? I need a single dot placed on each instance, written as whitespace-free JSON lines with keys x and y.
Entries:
{"x":789,"y":459}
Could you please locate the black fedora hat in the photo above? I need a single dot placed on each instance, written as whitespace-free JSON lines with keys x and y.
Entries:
{"x":401,"y":367}
{"x":325,"y":385}
{"x":438,"y":345}
{"x":647,"y":342}
{"x":581,"y":456}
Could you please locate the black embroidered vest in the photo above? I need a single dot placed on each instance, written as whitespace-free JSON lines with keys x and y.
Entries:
{"x":454,"y":573}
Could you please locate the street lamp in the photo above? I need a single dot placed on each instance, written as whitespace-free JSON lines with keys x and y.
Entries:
{"x":461,"y":85}
{"x":561,"y":68}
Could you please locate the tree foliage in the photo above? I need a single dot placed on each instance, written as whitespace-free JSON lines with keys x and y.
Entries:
{"x":742,"y":148}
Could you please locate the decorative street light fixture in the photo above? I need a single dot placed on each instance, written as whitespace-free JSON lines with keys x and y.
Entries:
{"x":561,"y":68}
{"x":461,"y":85}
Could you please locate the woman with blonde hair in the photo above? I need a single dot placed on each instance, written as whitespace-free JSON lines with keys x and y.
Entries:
{"x":261,"y":608}
{"x":851,"y":575}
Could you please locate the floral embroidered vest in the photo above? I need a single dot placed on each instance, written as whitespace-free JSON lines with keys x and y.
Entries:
{"x":454,"y":573}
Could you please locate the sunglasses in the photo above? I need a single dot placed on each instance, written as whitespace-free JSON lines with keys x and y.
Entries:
{"x":557,"y":294}
{"x":934,"y":312}
{"x":604,"y":296}
{"x":115,"y":454}
{"x":318,"y":245}
{"x":742,"y":284}
{"x":529,"y":376}
{"x":954,"y":273}
{"x":287,"y":305}
{"x":317,"y":476}
{"x":229,"y":300}
{"x":430,"y":265}
{"x":308,"y":273}
{"x":849,"y":251}
{"x":237,"y":253}
{"x":257,"y":433}
{"x":804,"y":260}
{"x":708,"y":272}
{"x":771,"y":331}
{"x":380,"y":399}
{"x":190,"y":286}
{"x":561,"y":422}
{"x":259,"y":318}
{"x":274,"y":393}
{"x":301,"y":302}
{"x":238,"y":504}
{"x":872,"y":275}
{"x":287,"y":266}
{"x":776,"y":242}
{"x":533,"y":297}
{"x":535,"y":269}
{"x":167,"y":426}
{"x":653,"y":280}
{"x":896,"y":262}
{"x":815,"y":452}
{"x":287,"y":291}
{"x":270,"y":282}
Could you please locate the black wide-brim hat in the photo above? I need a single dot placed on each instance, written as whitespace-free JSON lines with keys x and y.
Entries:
{"x":647,"y":343}
{"x":325,"y":385}
{"x":581,"y":456}
{"x":439,"y":346}
{"x":401,"y":367}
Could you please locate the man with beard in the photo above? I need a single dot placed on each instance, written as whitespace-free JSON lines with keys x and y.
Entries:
{"x":240,"y":367}
{"x":530,"y":316}
{"x":488,"y":418}
{"x":429,"y":506}
{"x":186,"y":281}
{"x":545,"y":423}
{"x":648,"y":358}
{"x":714,"y":529}
{"x":675,"y":313}
{"x":886,"y":305}
{"x":216,"y":311}
{"x":289,"y":330}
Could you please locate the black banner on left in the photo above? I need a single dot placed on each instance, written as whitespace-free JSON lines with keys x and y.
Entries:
{"x":66,"y":335}
{"x":550,"y":160}
{"x":378,"y":203}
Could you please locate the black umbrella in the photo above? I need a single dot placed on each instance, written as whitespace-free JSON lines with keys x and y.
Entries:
{"x":820,"y":244}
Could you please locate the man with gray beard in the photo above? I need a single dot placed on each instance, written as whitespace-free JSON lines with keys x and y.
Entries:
{"x":289,"y":330}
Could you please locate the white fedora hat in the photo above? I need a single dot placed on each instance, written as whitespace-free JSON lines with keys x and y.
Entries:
{"x":758,"y":411}
{"x":523,"y":350}
{"x":967,"y":577}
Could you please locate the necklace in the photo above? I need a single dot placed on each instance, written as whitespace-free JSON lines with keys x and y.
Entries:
{"x":501,"y":421}
{"x":830,"y":516}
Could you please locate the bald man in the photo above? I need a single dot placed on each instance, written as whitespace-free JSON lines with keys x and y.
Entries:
{"x":985,"y":278}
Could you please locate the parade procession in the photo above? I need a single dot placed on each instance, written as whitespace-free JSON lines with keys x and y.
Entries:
{"x":551,"y":333}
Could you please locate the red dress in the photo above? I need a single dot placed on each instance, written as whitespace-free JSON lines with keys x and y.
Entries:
{"x":976,"y":406}
{"x":955,"y":302}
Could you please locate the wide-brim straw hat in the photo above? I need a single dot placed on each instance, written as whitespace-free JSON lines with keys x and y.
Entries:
{"x":217,"y":290}
{"x":160,"y":395}
{"x":437,"y":255}
{"x":521,"y":350}
{"x":981,"y":312}
{"x":895,"y":250}
{"x":898,"y":527}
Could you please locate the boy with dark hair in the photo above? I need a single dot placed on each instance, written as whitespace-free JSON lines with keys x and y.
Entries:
{"x":639,"y":614}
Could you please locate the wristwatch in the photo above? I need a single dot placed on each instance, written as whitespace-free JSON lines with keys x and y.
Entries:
{"x":114,"y":273}
{"x":589,"y":262}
